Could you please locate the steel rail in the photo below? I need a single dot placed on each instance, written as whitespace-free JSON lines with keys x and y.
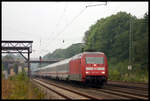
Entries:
{"x":129,"y":82}
{"x":123,"y":94}
{"x":127,"y":86}
{"x":132,"y":93}
{"x":60,"y":94}
{"x":70,"y":90}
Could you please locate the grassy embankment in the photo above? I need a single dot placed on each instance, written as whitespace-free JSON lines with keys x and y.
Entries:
{"x":19,"y":87}
{"x":120,"y":72}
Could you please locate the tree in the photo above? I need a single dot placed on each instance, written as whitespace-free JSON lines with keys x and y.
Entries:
{"x":111,"y":36}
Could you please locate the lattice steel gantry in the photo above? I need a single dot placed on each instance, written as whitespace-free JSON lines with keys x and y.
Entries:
{"x":18,"y":47}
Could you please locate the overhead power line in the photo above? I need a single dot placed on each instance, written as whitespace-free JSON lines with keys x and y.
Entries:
{"x":70,"y":23}
{"x":60,"y":18}
{"x":61,"y":15}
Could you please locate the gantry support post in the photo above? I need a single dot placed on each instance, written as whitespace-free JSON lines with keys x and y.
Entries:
{"x":29,"y":71}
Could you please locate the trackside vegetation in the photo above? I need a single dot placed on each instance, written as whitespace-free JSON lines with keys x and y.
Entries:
{"x":19,"y":87}
{"x":120,"y":72}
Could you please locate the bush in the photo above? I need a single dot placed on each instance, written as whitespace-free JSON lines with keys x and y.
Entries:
{"x":120,"y":72}
{"x":20,"y":77}
{"x":22,"y":88}
{"x":114,"y":74}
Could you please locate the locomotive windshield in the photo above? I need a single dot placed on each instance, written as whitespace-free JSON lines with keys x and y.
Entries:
{"x":94,"y":60}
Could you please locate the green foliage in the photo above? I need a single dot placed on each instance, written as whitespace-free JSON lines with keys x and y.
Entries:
{"x":108,"y":35}
{"x":20,"y":77}
{"x":114,"y":74}
{"x":24,"y":88}
{"x":39,"y":93}
{"x":120,"y":72}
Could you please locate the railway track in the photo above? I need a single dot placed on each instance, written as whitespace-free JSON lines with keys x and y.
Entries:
{"x":137,"y":86}
{"x":63,"y":91}
{"x":108,"y":92}
{"x":124,"y":93}
{"x":129,"y":91}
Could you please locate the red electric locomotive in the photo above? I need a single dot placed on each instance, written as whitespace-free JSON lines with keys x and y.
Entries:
{"x":88,"y":67}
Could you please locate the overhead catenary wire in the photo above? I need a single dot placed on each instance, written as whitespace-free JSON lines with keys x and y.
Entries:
{"x":60,"y":18}
{"x":62,"y":15}
{"x":70,"y":23}
{"x":67,"y":25}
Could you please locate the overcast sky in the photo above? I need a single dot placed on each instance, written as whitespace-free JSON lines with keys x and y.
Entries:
{"x":49,"y":23}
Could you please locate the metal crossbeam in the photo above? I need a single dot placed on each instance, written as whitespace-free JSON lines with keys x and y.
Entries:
{"x":15,"y":46}
{"x":13,"y":41}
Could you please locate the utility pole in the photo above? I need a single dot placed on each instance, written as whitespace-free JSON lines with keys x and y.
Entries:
{"x":130,"y":46}
{"x":130,"y":42}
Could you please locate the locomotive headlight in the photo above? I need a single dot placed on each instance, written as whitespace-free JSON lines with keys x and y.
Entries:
{"x":87,"y":72}
{"x":103,"y":72}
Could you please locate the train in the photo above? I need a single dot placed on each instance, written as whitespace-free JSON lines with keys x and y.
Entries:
{"x":86,"y":67}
